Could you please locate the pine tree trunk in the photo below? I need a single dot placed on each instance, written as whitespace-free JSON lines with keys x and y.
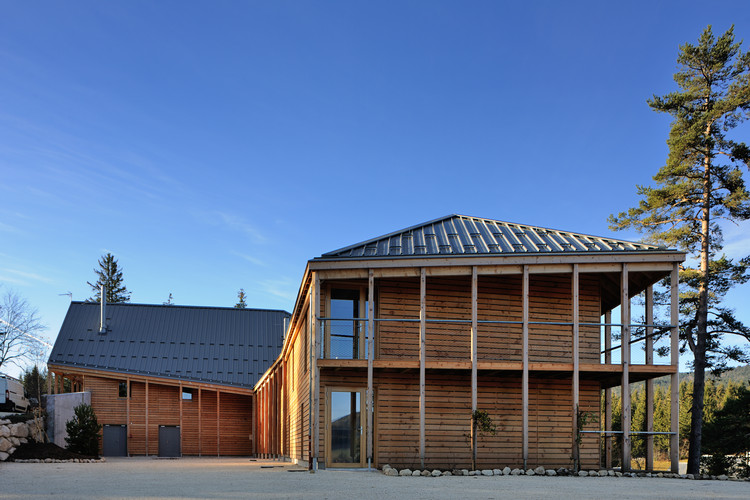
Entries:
{"x":699,"y":364}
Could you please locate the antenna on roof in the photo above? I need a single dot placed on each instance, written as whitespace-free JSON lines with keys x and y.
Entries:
{"x":68,"y":293}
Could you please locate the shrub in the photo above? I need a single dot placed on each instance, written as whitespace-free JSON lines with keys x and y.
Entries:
{"x":83,"y":431}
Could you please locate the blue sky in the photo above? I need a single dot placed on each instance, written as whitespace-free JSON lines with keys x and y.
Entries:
{"x":217,"y":145}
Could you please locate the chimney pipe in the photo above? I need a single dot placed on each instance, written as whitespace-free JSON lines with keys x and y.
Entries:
{"x":103,"y":317}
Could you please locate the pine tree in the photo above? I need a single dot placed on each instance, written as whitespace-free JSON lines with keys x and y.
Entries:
{"x":34,"y":382}
{"x":83,"y":431}
{"x":110,"y":276}
{"x":241,"y":304}
{"x":701,"y":183}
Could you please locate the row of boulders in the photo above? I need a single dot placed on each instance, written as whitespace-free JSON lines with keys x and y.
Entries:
{"x":57,"y":461}
{"x":14,"y":435}
{"x":541,"y":471}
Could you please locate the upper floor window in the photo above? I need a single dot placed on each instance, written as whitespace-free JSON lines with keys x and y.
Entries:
{"x":122,"y":389}
{"x":345,"y":328}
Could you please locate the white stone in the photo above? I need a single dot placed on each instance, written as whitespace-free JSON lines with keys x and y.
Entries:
{"x":447,"y":473}
{"x":497,"y":472}
{"x":583,"y":473}
{"x":530,"y":472}
{"x":611,"y":473}
{"x":602,"y":473}
{"x":14,"y":440}
{"x":405,"y":472}
{"x":550,"y":472}
{"x":386,"y":467}
{"x":516,"y":472}
{"x":426,"y":473}
{"x":391,"y":472}
{"x":3,"y":456}
{"x":436,"y":473}
{"x":661,"y":474}
{"x":464,"y":472}
{"x":722,"y":477}
{"x":506,"y":471}
{"x":618,"y":473}
{"x":539,"y":470}
{"x":416,"y":473}
{"x":5,"y":444}
{"x":21,"y":430}
{"x":473,"y":472}
{"x":486,"y":472}
{"x":689,"y":476}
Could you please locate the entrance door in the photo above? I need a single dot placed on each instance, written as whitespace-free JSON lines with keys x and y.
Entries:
{"x":169,"y":441}
{"x":345,"y":428}
{"x":115,"y":441}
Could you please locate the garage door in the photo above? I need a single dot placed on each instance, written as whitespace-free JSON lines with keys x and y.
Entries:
{"x":115,"y":441}
{"x":169,"y":441}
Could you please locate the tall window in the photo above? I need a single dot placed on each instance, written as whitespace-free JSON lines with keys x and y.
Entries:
{"x":345,"y":332}
{"x":122,"y":389}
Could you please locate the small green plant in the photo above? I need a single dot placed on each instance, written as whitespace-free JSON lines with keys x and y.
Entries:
{"x":481,"y":423}
{"x":583,"y":418}
{"x":83,"y":431}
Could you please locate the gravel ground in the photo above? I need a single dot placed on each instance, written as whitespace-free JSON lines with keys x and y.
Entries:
{"x":246,"y":478}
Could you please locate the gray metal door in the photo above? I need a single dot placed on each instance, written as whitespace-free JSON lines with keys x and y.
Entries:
{"x":115,"y":441}
{"x":169,"y":441}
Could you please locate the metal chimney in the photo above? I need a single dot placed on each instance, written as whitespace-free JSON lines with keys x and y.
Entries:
{"x":103,"y":314}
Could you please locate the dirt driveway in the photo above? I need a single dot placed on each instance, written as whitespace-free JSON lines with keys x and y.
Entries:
{"x":243,"y":478}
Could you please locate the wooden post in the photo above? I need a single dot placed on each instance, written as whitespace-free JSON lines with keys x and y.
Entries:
{"x":181,"y":428}
{"x":316,"y":373}
{"x":649,"y":382}
{"x":473,"y":363}
{"x":49,"y":382}
{"x":674,"y":412}
{"x":575,"y":382}
{"x":525,"y":374}
{"x":200,"y":427}
{"x":625,"y":353}
{"x":370,"y":406}
{"x":608,"y":392}
{"x":127,"y":416}
{"x":422,"y":361}
{"x":146,"y":417}
{"x":218,"y":420}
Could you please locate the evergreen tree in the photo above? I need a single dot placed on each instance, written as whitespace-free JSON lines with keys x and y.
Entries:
{"x":241,"y":304}
{"x":110,"y":276}
{"x":701,"y":183}
{"x":34,"y":382}
{"x":83,"y":431}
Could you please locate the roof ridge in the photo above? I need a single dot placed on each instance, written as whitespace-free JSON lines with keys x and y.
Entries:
{"x":183,"y":306}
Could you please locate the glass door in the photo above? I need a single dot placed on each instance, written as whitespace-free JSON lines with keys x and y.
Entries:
{"x":345,"y":428}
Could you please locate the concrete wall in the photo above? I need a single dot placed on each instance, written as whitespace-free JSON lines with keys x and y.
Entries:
{"x":60,"y":411}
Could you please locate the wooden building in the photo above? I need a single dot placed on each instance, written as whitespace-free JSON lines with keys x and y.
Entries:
{"x":395,"y":342}
{"x":168,"y":380}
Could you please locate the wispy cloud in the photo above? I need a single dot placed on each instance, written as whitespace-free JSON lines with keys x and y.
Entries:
{"x":7,"y":228}
{"x":250,"y":259}
{"x":22,"y":277}
{"x":737,"y":240}
{"x":282,"y":287}
{"x":235,"y":223}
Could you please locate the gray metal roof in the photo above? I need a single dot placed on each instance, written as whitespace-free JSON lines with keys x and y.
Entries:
{"x":457,"y":235}
{"x":215,"y":345}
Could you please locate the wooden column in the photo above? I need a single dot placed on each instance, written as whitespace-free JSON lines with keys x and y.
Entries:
{"x":525,"y":374}
{"x":608,"y":392}
{"x":181,"y":427}
{"x":422,"y":360}
{"x":218,"y":426}
{"x":370,"y":406}
{"x":473,"y":360}
{"x":316,"y":372}
{"x":649,"y":382}
{"x":625,"y":353}
{"x":674,"y":348}
{"x":49,"y":382}
{"x":128,"y":430}
{"x":146,"y":417}
{"x":576,"y":357}
{"x":200,"y":427}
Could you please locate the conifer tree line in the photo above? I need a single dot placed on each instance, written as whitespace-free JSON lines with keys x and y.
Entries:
{"x":726,"y":421}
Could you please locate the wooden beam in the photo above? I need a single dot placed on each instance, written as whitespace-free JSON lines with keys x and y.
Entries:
{"x":422,"y":360}
{"x":576,"y":320}
{"x":218,"y":425}
{"x":674,"y":413}
{"x":146,"y":417}
{"x":181,"y":428}
{"x":370,"y":362}
{"x":650,"y":382}
{"x":525,"y":361}
{"x":200,"y":426}
{"x":316,"y":372}
{"x":473,"y":361}
{"x":128,"y":428}
{"x":608,"y":392}
{"x":625,"y":354}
